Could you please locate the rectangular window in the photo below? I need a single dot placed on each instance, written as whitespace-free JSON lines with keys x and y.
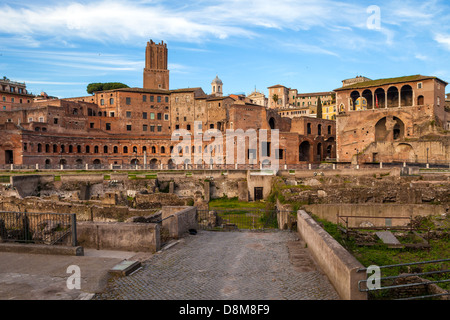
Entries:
{"x":159,"y":98}
{"x":128,"y":127}
{"x":166,"y":116}
{"x":144,"y":98}
{"x":144,"y":115}
{"x":188,"y":127}
{"x":159,"y":116}
{"x":167,"y":99}
{"x":152,"y":98}
{"x":144,"y":127}
{"x":91,"y":125}
{"x":111,"y":101}
{"x":111,"y":114}
{"x":159,"y":128}
{"x":152,"y":116}
{"x":128,"y":100}
{"x":128,"y":114}
{"x":30,"y":119}
{"x":102,"y":102}
{"x":108,"y":126}
{"x":152,"y":128}
{"x":41,"y":119}
{"x":55,"y":121}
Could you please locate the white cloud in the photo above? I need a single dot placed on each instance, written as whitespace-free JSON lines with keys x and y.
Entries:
{"x":443,"y":39}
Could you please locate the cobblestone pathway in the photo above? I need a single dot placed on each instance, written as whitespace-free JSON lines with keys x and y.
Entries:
{"x":227,"y":266}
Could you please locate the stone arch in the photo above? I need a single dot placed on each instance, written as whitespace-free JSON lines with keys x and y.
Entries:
{"x":406,"y":94}
{"x":304,"y":151}
{"x":389,"y":129}
{"x":420,"y":100}
{"x":367,"y":94}
{"x":272,"y":123}
{"x":319,"y":153}
{"x":393,"y":97}
{"x":171,"y":164}
{"x":404,"y":152}
{"x":134,"y":161}
{"x":380,"y":98}
{"x":353,"y":97}
{"x":154,"y":163}
{"x":48,"y":163}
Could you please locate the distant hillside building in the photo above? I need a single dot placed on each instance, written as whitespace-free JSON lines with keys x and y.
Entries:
{"x":12,"y":93}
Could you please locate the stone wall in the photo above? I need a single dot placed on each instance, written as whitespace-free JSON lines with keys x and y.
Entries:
{"x":137,"y":237}
{"x":336,"y":262}
{"x":178,"y":220}
{"x":379,"y":215}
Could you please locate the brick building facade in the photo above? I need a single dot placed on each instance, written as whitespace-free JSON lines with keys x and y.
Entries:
{"x":398,"y":119}
{"x":132,"y":126}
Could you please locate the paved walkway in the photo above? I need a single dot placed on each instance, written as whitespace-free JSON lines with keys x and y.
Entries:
{"x":227,"y":266}
{"x":44,"y":277}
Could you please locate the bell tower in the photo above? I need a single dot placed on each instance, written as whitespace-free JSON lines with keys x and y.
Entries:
{"x":156,"y":74}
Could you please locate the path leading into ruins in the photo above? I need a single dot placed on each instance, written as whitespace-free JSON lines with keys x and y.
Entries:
{"x":227,"y":266}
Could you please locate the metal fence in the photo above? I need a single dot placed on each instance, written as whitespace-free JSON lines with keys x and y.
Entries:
{"x":388,"y":286}
{"x":281,"y":166}
{"x":38,"y":228}
{"x":226,"y":219}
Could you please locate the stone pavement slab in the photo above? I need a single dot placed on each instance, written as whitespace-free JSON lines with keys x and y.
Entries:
{"x":44,"y":277}
{"x":227,"y":266}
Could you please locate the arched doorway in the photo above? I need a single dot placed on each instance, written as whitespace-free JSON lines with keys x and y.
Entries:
{"x":392,"y":97}
{"x":380,"y":98}
{"x":406,"y":96}
{"x":319,"y":152}
{"x":170,"y":164}
{"x":420,"y":101}
{"x":48,"y":164}
{"x":389,"y":129}
{"x":353,"y":97}
{"x":272,"y":123}
{"x":367,"y":94}
{"x":304,"y":151}
{"x":154,"y":164}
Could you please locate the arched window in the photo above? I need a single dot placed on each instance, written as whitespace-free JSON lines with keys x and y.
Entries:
{"x":70,"y":148}
{"x":88,"y":149}
{"x":125,"y":149}
{"x":39,"y":147}
{"x":153,"y":149}
{"x":163,"y":149}
{"x":78,"y":149}
{"x":95,"y":149}
{"x":105,"y":149}
{"x":420,"y":101}
{"x":47,"y":148}
{"x":135,"y":149}
{"x":55,"y":148}
{"x":115,"y":149}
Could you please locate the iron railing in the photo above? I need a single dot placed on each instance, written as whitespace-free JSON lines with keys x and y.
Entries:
{"x":38,"y":228}
{"x":227,"y":219}
{"x":327,"y":166}
{"x":418,"y":275}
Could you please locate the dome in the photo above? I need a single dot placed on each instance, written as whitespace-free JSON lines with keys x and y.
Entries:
{"x":216,"y":80}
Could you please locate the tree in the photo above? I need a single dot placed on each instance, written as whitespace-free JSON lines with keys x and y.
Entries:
{"x":319,"y":108}
{"x":99,"y":86}
{"x":275,"y":98}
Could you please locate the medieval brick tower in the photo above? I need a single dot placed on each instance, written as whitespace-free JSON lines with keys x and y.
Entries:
{"x":156,"y":74}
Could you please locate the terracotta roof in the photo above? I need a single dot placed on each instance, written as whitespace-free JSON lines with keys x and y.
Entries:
{"x":381,"y":82}
{"x":277,"y":86}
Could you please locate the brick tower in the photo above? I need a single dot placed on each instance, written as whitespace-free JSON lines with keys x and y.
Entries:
{"x":156,"y":74}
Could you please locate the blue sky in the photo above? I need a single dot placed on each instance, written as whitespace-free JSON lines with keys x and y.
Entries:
{"x":311,"y":45}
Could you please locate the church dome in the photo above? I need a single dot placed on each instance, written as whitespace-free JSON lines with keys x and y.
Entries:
{"x":216,"y":80}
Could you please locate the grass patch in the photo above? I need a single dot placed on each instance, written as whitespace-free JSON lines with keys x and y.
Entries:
{"x":226,"y":202}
